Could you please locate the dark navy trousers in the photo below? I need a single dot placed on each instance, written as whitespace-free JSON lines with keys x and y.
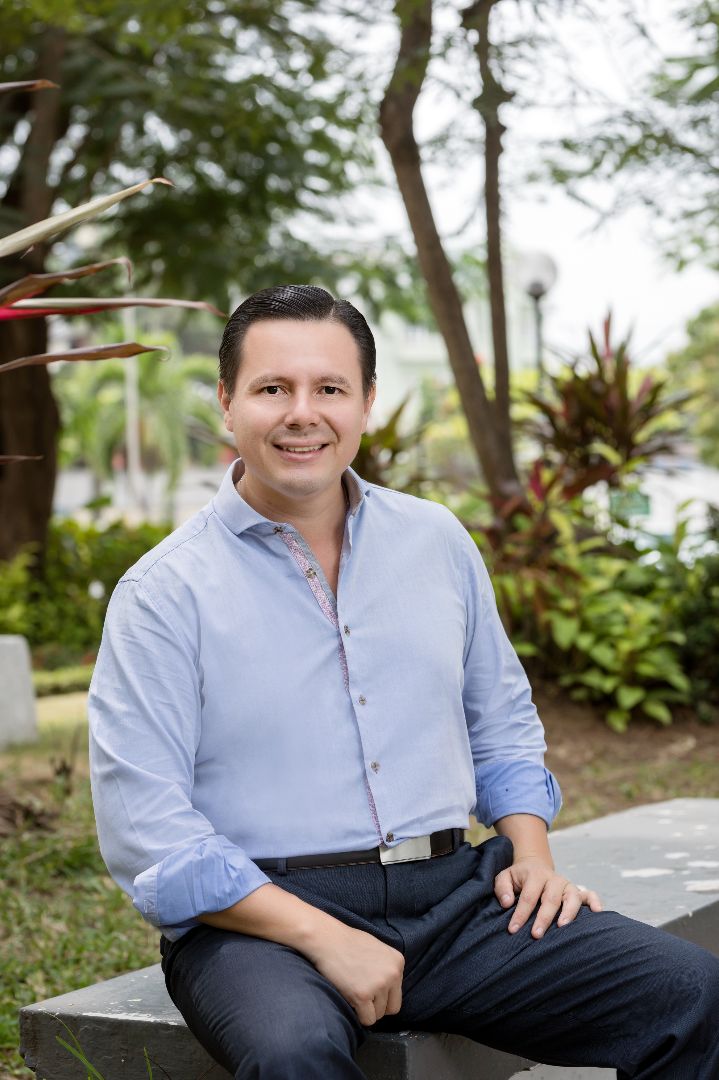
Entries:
{"x":603,"y":990}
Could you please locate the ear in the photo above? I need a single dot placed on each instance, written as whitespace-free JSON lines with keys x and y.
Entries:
{"x":368,"y":403}
{"x":224,"y":399}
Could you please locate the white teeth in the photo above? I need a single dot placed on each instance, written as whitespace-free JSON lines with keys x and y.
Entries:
{"x":301,"y":449}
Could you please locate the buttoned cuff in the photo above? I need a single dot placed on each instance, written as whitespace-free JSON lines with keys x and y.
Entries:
{"x":210,"y":876}
{"x":516,"y":786}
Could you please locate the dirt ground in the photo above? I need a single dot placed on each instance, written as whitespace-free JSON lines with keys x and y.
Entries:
{"x":600,"y":771}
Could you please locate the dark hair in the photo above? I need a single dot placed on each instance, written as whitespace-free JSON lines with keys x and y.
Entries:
{"x":304,"y":302}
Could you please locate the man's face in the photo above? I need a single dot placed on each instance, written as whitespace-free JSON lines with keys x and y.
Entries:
{"x":298,"y":410}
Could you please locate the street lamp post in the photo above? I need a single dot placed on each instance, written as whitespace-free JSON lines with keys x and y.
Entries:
{"x":538,"y":274}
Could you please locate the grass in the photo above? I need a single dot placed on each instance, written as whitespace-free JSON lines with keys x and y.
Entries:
{"x":63,"y":922}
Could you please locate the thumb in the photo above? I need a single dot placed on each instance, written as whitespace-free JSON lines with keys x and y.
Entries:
{"x":504,"y":888}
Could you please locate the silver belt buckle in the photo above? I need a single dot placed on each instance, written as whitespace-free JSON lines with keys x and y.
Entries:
{"x":417,"y":847}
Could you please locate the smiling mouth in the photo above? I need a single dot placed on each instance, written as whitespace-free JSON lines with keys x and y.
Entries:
{"x":299,"y":451}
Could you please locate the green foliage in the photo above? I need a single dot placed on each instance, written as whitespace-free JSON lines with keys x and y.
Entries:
{"x":591,"y":616}
{"x":61,"y":610}
{"x":696,"y":368}
{"x":15,"y":578}
{"x":64,"y":680}
{"x":241,"y":108}
{"x":697,"y":615}
{"x":63,"y":922}
{"x":384,"y":453}
{"x":179,"y":417}
{"x":660,"y":150}
{"x":597,"y":420}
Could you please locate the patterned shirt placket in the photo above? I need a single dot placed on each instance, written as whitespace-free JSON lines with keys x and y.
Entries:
{"x":328,"y":607}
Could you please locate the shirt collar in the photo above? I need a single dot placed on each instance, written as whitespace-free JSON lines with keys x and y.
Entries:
{"x":239,"y":515}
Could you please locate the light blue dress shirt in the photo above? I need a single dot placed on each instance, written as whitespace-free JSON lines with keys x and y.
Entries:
{"x":239,"y":711}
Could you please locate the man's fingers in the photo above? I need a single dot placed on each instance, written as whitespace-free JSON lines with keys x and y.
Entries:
{"x":551,"y":902}
{"x":504,"y":888}
{"x":366,"y":1013}
{"x":573,"y":900}
{"x":394,"y":1001}
{"x":592,"y":900}
{"x":526,"y":904}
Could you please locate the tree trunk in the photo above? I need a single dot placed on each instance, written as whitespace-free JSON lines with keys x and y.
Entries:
{"x":493,"y":95}
{"x":396,"y":123}
{"x":29,"y":424}
{"x":29,"y":419}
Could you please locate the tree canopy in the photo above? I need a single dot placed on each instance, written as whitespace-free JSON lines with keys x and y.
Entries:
{"x":660,"y":151}
{"x":237,"y":102}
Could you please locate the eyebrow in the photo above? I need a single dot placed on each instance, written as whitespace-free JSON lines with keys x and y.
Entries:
{"x":323,"y":380}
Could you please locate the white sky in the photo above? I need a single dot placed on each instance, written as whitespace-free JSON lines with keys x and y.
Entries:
{"x":618,"y":266}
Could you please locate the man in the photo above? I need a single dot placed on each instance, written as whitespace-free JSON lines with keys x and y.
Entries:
{"x":300,"y":696}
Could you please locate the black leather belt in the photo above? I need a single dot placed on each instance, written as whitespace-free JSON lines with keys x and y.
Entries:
{"x":420,"y":847}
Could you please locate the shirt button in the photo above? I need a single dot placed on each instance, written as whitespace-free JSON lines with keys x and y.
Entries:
{"x":389,"y":837}
{"x":362,"y":699}
{"x":374,"y":766}
{"x":310,"y":573}
{"x":278,"y":528}
{"x":346,"y":629}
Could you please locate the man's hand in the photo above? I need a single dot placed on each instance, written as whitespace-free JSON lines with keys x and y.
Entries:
{"x":534,"y":880}
{"x":366,"y":972}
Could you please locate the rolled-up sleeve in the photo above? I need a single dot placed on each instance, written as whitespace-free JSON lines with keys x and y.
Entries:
{"x":144,"y":713}
{"x":505,"y":732}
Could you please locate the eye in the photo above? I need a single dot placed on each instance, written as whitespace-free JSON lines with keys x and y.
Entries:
{"x":271,"y":390}
{"x":330,"y":390}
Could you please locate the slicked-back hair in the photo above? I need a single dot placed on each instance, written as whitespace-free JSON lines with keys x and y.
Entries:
{"x":307,"y":303}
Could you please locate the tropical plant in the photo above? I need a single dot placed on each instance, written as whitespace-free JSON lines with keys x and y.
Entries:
{"x":696,"y":369}
{"x":19,"y":304}
{"x":591,"y":616}
{"x":601,"y":416}
{"x":178,"y":418}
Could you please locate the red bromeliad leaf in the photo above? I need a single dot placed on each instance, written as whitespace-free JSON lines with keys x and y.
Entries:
{"x":34,"y":284}
{"x":10,"y":459}
{"x":82,"y":305}
{"x":93,"y":352}
{"x":31,"y":84}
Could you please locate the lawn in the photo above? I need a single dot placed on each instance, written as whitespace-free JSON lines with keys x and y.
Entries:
{"x":64,"y":924}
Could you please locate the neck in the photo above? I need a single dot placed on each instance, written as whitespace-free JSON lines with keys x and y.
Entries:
{"x":320,"y":517}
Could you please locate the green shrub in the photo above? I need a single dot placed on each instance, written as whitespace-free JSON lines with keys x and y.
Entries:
{"x":62,"y":680}
{"x":598,"y":619}
{"x":61,"y":609}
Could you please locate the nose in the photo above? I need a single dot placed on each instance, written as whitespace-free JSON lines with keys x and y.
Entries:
{"x":301,"y":410}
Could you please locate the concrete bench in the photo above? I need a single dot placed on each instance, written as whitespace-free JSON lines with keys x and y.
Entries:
{"x":658,"y":864}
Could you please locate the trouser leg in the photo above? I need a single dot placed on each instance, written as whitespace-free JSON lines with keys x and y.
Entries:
{"x":604,"y":990}
{"x":261,"y":1009}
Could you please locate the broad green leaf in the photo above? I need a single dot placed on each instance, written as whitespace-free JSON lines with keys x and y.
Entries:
{"x":618,"y":719}
{"x":629,"y":696}
{"x":43,"y":230}
{"x":525,"y":648}
{"x":95,"y":352}
{"x":564,"y":629}
{"x":657,"y":710}
{"x":605,"y":655}
{"x":678,"y":680}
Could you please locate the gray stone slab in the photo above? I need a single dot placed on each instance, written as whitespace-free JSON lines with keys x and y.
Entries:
{"x":18,"y":720}
{"x":115,"y":1021}
{"x":658,"y":864}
